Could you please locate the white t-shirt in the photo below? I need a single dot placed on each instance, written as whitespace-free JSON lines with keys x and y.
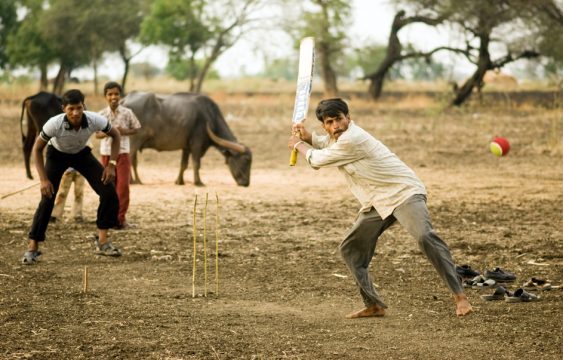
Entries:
{"x":59,"y":133}
{"x":375,"y":175}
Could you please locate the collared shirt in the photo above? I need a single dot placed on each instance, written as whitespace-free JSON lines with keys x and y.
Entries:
{"x":123,"y":118}
{"x":375,"y":175}
{"x":59,"y":132}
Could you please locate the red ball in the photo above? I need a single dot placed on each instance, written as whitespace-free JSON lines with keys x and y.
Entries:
{"x":500,"y":146}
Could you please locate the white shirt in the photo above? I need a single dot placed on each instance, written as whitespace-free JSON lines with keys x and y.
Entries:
{"x":375,"y":175}
{"x":59,"y":133}
{"x":123,"y":118}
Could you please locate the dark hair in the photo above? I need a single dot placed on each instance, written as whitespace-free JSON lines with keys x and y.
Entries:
{"x":331,"y":108}
{"x":112,"y":85}
{"x":73,"y":97}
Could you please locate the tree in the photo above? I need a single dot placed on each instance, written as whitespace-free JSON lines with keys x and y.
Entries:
{"x":8,"y":24}
{"x":28,"y":46}
{"x":123,"y":24}
{"x":515,"y":29}
{"x":64,"y":28}
{"x":326,"y":21}
{"x":395,"y":50}
{"x":180,"y":69}
{"x":479,"y":20}
{"x":197,"y":30}
{"x":110,"y":24}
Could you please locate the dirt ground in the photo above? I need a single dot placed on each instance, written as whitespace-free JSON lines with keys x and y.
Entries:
{"x":283,"y":290}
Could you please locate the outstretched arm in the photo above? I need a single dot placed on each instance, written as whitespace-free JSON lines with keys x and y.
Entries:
{"x":46,"y":187}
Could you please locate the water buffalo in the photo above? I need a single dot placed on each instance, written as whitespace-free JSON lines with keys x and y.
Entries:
{"x":38,"y":109}
{"x":188,"y":122}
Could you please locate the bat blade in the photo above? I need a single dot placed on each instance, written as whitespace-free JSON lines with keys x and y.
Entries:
{"x":304,"y":85}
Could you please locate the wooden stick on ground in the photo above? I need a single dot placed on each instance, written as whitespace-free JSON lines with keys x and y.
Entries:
{"x":194,"y":254}
{"x":205,"y":246}
{"x":18,"y":191}
{"x":217,"y":245}
{"x":85,"y":280}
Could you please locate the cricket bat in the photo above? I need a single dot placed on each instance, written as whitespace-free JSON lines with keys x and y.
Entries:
{"x":304,"y":85}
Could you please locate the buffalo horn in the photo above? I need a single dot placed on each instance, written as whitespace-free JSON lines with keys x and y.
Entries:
{"x":225,"y":143}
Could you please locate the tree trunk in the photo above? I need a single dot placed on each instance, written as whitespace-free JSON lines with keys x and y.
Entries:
{"x":392,"y":55}
{"x":43,"y":80}
{"x":202,"y":74}
{"x":476,"y":80}
{"x":193,"y":73}
{"x":95,"y":68}
{"x":327,"y":72}
{"x":59,"y":82}
{"x":215,"y":52}
{"x":378,"y":78}
{"x":125,"y":72}
{"x":394,"y":52}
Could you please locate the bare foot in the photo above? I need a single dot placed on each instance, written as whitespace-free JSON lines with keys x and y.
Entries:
{"x":374,"y":310}
{"x":463,"y":307}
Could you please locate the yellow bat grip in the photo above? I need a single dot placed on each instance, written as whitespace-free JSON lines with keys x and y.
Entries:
{"x":293,"y":157}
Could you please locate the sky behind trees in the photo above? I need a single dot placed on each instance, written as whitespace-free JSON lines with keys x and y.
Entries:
{"x":370,"y":23}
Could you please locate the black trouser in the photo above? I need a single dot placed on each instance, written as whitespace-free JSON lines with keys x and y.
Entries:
{"x":84,"y":162}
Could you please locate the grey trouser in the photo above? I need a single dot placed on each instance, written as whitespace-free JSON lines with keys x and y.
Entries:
{"x":358,"y":246}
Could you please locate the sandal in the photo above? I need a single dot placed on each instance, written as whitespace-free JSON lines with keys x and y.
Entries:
{"x":107,"y":249}
{"x":31,"y":257}
{"x":521,"y":295}
{"x":535,"y":283}
{"x":499,"y":294}
{"x":479,"y":282}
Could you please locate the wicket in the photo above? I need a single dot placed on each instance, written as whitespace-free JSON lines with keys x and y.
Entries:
{"x":205,"y":255}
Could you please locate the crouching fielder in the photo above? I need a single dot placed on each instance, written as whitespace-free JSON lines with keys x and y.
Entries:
{"x":388,"y":191}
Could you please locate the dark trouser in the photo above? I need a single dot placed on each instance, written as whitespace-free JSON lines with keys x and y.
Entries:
{"x":122,"y":180}
{"x":84,"y":162}
{"x":358,"y":247}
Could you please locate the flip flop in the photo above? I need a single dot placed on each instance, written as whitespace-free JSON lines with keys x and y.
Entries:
{"x":521,"y":295}
{"x":499,"y":294}
{"x":535,"y":283}
{"x":484,"y":284}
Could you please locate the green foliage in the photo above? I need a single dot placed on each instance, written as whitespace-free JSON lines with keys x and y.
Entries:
{"x":28,"y":46}
{"x":177,"y":24}
{"x":71,"y":32}
{"x":282,"y":68}
{"x":327,"y":21}
{"x":369,"y":57}
{"x":8,"y":24}
{"x":182,"y":69}
{"x":197,"y":31}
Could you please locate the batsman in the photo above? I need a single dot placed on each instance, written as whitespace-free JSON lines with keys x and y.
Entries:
{"x":388,"y":191}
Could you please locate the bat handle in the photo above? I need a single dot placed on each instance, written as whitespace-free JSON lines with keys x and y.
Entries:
{"x":293,"y":157}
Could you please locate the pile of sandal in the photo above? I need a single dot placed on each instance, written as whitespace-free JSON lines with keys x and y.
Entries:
{"x":473,"y":279}
{"x":520,"y":294}
{"x":500,"y":279}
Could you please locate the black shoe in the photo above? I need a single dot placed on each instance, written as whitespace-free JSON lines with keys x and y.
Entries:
{"x":52,"y":219}
{"x":466,"y":271}
{"x":499,"y":275}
